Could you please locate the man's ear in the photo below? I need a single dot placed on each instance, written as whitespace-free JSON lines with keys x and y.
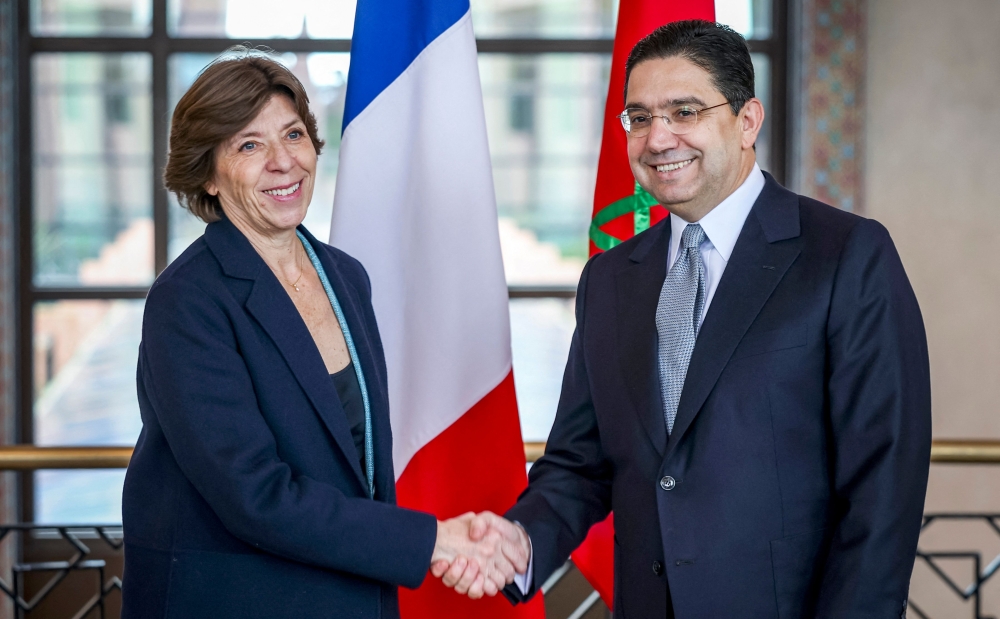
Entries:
{"x":751,"y":121}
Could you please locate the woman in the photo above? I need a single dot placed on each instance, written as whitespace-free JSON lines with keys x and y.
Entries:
{"x":262,"y":482}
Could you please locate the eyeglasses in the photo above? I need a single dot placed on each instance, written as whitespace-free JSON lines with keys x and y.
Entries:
{"x":679,"y":120}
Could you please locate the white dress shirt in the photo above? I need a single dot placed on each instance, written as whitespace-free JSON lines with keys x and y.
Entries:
{"x":722,"y":226}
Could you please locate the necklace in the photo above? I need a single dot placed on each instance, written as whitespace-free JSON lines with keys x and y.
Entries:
{"x":295,"y":284}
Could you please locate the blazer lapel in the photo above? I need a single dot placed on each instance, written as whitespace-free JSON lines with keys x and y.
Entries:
{"x":638,"y":292}
{"x":271,"y":306}
{"x":375,"y":379}
{"x":767,"y":246}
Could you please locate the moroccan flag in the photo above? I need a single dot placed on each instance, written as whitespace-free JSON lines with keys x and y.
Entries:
{"x":415,"y":204}
{"x":622,"y":209}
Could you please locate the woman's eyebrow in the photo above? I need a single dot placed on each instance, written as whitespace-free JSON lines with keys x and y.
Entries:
{"x":256,"y":134}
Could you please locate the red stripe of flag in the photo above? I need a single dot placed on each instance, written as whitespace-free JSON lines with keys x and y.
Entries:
{"x":476,"y":464}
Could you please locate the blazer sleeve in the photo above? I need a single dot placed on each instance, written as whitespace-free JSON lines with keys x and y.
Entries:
{"x":569,"y":488}
{"x":203,"y":399}
{"x":880,"y":419}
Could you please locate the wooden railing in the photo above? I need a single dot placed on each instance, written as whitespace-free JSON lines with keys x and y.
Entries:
{"x":31,"y":457}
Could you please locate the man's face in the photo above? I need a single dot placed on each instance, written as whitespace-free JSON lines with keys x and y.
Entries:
{"x":692,"y":173}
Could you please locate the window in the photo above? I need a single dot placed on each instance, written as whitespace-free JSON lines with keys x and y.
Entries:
{"x":95,"y":96}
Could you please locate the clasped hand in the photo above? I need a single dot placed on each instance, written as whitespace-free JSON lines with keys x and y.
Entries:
{"x":479,"y":554}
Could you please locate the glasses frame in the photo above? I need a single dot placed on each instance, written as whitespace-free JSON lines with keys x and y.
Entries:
{"x":671,"y":126}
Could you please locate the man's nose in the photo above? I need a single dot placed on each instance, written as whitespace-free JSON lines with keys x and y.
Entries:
{"x":660,"y":137}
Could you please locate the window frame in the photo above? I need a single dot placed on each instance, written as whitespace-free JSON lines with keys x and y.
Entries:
{"x":160,"y":46}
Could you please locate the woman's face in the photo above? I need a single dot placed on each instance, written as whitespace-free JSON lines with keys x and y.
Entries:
{"x":264,"y":174}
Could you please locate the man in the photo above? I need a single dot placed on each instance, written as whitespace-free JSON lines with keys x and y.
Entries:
{"x":757,"y":415}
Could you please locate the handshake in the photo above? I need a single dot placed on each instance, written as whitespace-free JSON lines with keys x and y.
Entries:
{"x":479,"y":554}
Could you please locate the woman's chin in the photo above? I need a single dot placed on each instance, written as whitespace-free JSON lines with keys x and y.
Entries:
{"x":288,"y":217}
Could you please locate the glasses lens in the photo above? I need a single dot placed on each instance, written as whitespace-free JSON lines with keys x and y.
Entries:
{"x":683,"y":119}
{"x":637,"y":122}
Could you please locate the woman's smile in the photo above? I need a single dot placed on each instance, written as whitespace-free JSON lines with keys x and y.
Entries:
{"x":286,"y":193}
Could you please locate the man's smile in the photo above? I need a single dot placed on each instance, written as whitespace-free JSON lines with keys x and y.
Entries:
{"x":670,"y":167}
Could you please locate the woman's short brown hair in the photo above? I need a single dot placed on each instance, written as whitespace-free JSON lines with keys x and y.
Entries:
{"x":227,"y":96}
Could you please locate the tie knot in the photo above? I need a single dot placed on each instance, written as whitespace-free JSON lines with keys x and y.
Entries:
{"x":693,"y":236}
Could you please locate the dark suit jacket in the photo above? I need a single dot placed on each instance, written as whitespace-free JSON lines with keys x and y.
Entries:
{"x":798,"y":461}
{"x":244,"y":497}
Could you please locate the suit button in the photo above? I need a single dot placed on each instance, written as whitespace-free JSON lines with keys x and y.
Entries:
{"x":668,"y":483}
{"x":657,"y":568}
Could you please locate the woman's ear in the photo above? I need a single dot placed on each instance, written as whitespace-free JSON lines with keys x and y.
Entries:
{"x":211,"y":188}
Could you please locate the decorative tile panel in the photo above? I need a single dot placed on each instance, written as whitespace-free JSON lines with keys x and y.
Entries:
{"x":830,"y":153}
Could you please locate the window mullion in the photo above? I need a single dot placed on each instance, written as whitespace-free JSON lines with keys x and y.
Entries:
{"x":161,"y":206}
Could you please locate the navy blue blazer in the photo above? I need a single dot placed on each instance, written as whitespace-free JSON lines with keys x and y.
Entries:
{"x":245,"y":497}
{"x":792,"y":485}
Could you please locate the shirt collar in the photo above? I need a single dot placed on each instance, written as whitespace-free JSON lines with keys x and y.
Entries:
{"x":722,"y":225}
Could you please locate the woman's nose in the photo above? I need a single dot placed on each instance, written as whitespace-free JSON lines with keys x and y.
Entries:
{"x":281,"y":158}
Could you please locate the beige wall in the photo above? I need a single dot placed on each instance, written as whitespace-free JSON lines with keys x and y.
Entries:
{"x":933,"y":178}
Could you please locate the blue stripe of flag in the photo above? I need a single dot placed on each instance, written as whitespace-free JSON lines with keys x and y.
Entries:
{"x":388,"y":36}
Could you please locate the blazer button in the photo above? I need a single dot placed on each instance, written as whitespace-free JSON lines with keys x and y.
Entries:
{"x":668,"y":483}
{"x":657,"y":568}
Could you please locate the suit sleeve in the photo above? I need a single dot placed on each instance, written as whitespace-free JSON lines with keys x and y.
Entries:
{"x":880,"y":418}
{"x":204,"y":401}
{"x":569,"y":488}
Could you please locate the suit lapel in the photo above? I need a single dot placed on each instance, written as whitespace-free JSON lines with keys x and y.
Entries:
{"x":638,"y":292}
{"x":271,"y":306}
{"x":767,"y":246}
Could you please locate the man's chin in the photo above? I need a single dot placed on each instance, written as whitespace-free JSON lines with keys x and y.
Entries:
{"x":672,"y":196}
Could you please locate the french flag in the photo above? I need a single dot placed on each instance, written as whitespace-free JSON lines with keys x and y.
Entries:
{"x":415,"y":204}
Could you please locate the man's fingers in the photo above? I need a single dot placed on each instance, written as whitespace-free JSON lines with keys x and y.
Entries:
{"x":504,"y":569}
{"x":517,"y":554}
{"x":478,"y":528}
{"x":481,"y":525}
{"x":490,"y":587}
{"x":468,"y":579}
{"x":438,"y":568}
{"x":454,"y":573}
{"x":476,"y":590}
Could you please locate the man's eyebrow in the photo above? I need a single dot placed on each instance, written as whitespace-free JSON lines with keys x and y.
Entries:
{"x":689,"y":100}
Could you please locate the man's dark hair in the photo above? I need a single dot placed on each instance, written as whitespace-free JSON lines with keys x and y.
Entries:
{"x":717,"y":48}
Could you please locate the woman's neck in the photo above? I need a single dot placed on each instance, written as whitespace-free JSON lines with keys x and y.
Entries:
{"x":280,"y":249}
